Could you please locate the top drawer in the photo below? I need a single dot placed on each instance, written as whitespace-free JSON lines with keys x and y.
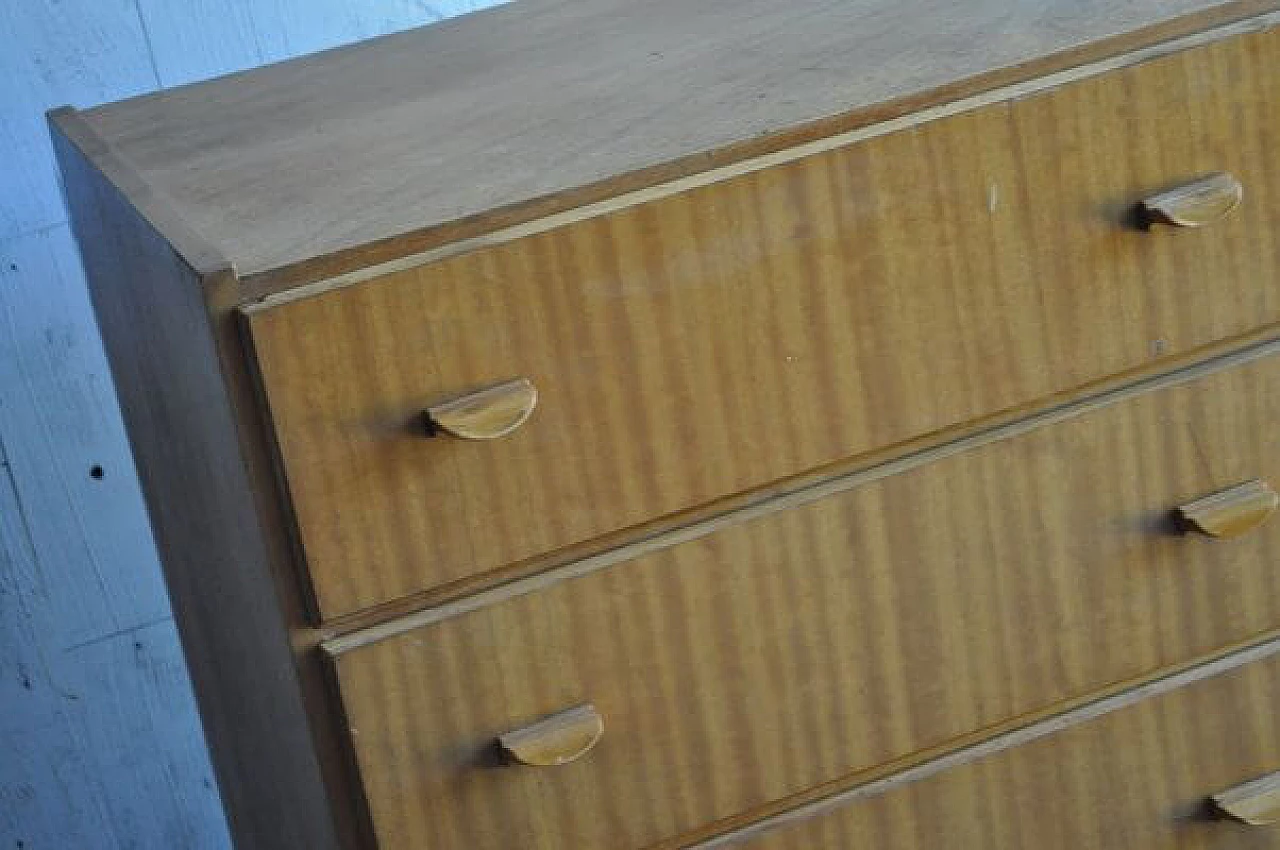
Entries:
{"x":697,"y":345}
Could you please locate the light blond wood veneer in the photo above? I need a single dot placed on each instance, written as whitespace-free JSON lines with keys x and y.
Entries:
{"x":711,"y":342}
{"x":365,"y":153}
{"x":1195,"y":204}
{"x":1233,"y":511}
{"x":487,"y":414}
{"x":1256,"y":802}
{"x":1138,"y":779}
{"x":557,"y":740}
{"x":800,"y":647}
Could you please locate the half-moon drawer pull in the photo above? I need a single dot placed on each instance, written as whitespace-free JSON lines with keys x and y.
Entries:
{"x":1230,"y":512}
{"x":1256,"y":802}
{"x":1195,"y":204}
{"x":558,"y":739}
{"x":487,"y":414}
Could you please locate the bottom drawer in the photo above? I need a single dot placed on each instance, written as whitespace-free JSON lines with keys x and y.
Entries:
{"x":1139,"y":777}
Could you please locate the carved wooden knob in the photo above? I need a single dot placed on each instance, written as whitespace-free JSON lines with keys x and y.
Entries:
{"x":1256,"y":802}
{"x":1231,"y":512}
{"x":486,"y":414}
{"x":558,"y":739}
{"x":1195,"y":204}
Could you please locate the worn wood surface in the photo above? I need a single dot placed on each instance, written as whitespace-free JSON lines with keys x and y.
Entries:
{"x":488,"y":414}
{"x":280,"y":764}
{"x":1019,"y":733}
{"x":1237,"y":510}
{"x":1255,"y":802}
{"x":747,"y":666}
{"x":1087,"y":149}
{"x":1198,"y":203}
{"x":378,"y":624}
{"x":554,"y":100}
{"x":1139,"y":777}
{"x":101,"y":743}
{"x":714,"y":341}
{"x":554,"y":741}
{"x":160,"y":342}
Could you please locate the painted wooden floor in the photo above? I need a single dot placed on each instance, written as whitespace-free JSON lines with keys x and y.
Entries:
{"x":100,"y":745}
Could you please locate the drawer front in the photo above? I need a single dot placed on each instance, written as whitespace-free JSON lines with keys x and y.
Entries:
{"x":1141,"y":777}
{"x":1086,"y":151}
{"x":710,"y":342}
{"x":797,"y":647}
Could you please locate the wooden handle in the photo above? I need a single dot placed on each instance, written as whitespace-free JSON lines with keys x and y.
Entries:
{"x":1230,"y":512}
{"x":1196,"y":204}
{"x":558,"y":739}
{"x":485,"y":415}
{"x":1256,"y":803}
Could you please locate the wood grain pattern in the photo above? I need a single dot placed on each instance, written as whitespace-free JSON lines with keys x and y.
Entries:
{"x":164,"y":342}
{"x":986,"y":744}
{"x":1139,"y":777}
{"x":653,"y":91}
{"x":710,"y":343}
{"x":861,"y":295}
{"x":748,"y":666}
{"x":1096,"y":148}
{"x":102,"y":744}
{"x":382,"y":623}
{"x":714,"y":341}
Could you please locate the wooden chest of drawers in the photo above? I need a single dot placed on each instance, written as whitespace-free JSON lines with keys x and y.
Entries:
{"x":617,"y":425}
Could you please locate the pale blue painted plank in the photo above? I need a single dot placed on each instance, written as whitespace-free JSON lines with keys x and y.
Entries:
{"x":205,"y":38}
{"x":48,"y":794}
{"x":61,"y":423}
{"x":97,"y":742}
{"x":140,"y":730}
{"x":199,"y":39}
{"x":28,"y":182}
{"x":48,"y":797}
{"x":81,"y":52}
{"x":101,"y":741}
{"x":293,"y":27}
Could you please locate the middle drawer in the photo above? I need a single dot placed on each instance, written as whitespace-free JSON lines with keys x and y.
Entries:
{"x":801,"y":646}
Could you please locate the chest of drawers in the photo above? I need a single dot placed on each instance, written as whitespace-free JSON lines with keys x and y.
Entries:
{"x":617,"y":425}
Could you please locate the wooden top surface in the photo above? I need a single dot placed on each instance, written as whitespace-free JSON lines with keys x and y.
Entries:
{"x":366,"y":153}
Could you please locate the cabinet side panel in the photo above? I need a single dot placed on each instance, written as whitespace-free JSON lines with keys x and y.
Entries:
{"x":160,"y":341}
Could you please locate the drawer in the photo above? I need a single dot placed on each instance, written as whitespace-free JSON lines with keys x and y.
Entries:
{"x":1087,"y":150}
{"x":706,"y":343}
{"x":758,"y":658}
{"x":1140,"y":777}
